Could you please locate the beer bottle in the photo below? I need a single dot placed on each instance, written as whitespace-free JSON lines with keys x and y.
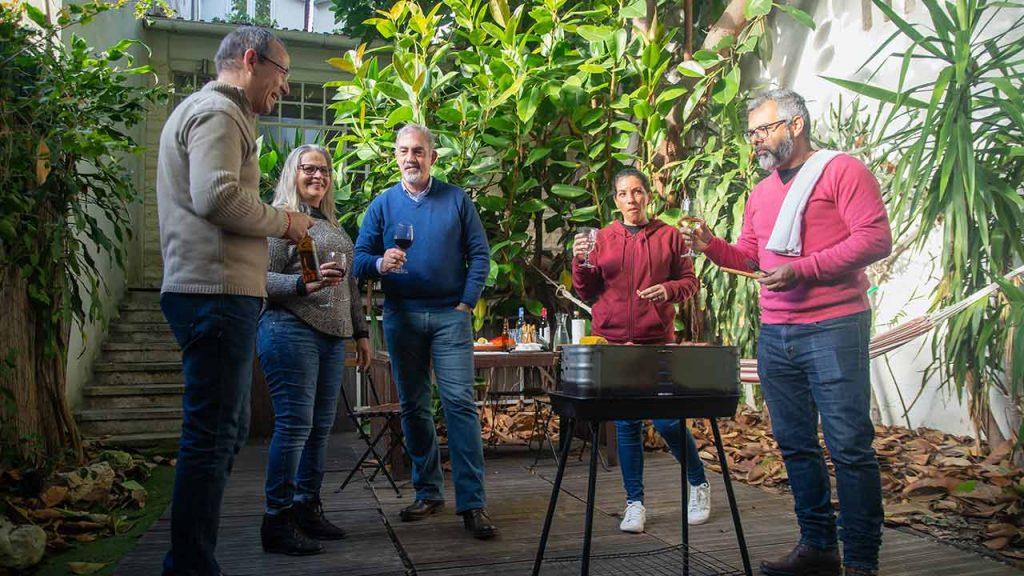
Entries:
{"x":308,"y":260}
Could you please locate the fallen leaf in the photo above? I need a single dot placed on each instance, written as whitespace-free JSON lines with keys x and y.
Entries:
{"x":85,"y":567}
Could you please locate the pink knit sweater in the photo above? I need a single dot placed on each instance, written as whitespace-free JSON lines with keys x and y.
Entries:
{"x":845,"y":228}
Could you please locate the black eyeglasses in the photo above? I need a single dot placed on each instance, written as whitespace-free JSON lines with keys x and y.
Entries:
{"x":763,"y":130}
{"x":310,"y":169}
{"x":286,"y":71}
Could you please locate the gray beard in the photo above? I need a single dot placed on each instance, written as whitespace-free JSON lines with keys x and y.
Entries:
{"x":772,"y":159}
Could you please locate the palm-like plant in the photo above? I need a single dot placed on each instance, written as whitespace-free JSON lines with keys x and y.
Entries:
{"x":957,"y":144}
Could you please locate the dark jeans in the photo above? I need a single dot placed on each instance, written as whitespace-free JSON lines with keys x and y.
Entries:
{"x":822,"y":368}
{"x":304,"y":370}
{"x":444,"y":340}
{"x":629,"y":434}
{"x":217,"y":335}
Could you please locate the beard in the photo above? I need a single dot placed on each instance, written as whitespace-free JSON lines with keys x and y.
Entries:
{"x":770,"y":159}
{"x":412,"y":175}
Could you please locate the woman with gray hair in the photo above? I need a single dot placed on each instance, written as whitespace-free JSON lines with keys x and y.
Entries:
{"x":301,"y":347}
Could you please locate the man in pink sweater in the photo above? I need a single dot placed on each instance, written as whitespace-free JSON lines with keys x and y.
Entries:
{"x":816,"y":319}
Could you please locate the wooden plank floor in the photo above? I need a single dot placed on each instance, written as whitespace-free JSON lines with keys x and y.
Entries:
{"x":379,"y":544}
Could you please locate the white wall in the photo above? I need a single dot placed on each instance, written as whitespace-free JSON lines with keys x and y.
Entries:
{"x":838,"y":47}
{"x":86,"y":342}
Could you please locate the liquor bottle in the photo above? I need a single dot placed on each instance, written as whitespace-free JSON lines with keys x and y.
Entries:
{"x":506,"y":339}
{"x":308,"y":260}
{"x":542,"y":331}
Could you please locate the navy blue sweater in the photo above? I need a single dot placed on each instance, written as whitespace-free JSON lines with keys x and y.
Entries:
{"x":449,"y":259}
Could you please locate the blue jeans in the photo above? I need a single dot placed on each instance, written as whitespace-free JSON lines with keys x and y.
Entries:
{"x":217,"y":334}
{"x":822,"y":368}
{"x":629,"y":434}
{"x":304,"y":370}
{"x":443,"y":338}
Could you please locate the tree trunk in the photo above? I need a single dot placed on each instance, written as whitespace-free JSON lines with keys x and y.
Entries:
{"x":35,"y":418}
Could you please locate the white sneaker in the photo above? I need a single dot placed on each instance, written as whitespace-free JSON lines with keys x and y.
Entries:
{"x":633,"y":518}
{"x":699,"y":509}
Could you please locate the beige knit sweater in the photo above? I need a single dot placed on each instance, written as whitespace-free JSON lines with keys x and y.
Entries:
{"x":213,"y":226}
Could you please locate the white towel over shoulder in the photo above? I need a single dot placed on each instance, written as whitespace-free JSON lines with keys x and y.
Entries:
{"x":785,"y":238}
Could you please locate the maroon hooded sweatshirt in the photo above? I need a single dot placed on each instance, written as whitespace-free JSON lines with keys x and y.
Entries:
{"x":624,"y":264}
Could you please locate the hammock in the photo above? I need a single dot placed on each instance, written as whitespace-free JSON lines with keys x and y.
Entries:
{"x":904,"y":333}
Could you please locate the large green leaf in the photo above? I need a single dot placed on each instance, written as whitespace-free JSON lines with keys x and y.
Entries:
{"x":757,"y":8}
{"x":876,"y":92}
{"x":797,"y":14}
{"x":568,"y":191}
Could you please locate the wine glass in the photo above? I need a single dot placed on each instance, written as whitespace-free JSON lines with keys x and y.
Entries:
{"x":339,"y":258}
{"x":690,"y":220}
{"x":591,"y":235}
{"x":403,"y":239}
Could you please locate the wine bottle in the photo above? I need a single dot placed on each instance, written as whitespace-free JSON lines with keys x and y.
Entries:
{"x":308,"y":260}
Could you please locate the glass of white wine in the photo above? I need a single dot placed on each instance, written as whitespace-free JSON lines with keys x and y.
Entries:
{"x":688,"y":219}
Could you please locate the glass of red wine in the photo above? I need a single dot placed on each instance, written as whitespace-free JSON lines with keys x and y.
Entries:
{"x":403,"y":239}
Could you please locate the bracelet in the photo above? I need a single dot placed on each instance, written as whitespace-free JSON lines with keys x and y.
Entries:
{"x":289,"y":226}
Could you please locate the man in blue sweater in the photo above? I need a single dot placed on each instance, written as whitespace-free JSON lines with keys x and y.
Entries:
{"x":430,"y":290}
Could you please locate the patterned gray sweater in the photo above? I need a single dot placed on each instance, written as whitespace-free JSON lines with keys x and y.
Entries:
{"x":346,"y":316}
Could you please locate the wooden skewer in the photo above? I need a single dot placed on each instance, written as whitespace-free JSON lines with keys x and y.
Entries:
{"x":741,"y":273}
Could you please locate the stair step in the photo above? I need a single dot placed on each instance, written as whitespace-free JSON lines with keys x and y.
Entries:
{"x":141,"y":300}
{"x":141,"y":315}
{"x":140,"y":439}
{"x":123,"y":337}
{"x":122,"y":327}
{"x":128,"y":421}
{"x":133,"y":397}
{"x":138,"y":373}
{"x":139,"y":352}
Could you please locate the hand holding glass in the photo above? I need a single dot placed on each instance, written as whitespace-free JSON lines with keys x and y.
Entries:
{"x":590,"y":237}
{"x":403,"y":239}
{"x":338,"y":262}
{"x":690,"y":221}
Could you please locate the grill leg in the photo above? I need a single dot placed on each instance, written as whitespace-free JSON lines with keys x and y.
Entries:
{"x":685,"y":490}
{"x":588,"y":529}
{"x":566,"y":443}
{"x":732,"y":498}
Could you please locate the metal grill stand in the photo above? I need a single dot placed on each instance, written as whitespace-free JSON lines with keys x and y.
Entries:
{"x":598,"y":410}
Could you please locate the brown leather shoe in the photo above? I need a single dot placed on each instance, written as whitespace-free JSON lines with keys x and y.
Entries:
{"x":420,"y":509}
{"x":805,"y":560}
{"x":479,"y":524}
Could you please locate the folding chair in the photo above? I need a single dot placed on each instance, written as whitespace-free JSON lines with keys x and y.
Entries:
{"x":362,"y":417}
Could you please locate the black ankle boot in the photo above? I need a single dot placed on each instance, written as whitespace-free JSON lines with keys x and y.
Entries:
{"x":309,"y":516}
{"x":280,"y":534}
{"x":804,"y":560}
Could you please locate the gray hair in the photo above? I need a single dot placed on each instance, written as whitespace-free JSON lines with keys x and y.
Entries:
{"x":790,"y":105}
{"x":417,"y":128}
{"x":286,"y":195}
{"x":234,"y":45}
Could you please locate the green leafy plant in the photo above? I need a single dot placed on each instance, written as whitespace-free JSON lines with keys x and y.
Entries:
{"x":535,"y":108}
{"x":956,"y":143}
{"x":64,"y":113}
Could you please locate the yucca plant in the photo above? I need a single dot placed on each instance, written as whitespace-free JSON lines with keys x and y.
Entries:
{"x":957,"y":148}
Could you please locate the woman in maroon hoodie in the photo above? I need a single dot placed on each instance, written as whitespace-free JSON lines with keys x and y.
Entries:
{"x":638,"y":274}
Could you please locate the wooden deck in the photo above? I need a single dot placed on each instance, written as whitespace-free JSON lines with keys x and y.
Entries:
{"x":379,"y":544}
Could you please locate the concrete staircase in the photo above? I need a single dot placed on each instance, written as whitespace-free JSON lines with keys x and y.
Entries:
{"x":134,"y":398}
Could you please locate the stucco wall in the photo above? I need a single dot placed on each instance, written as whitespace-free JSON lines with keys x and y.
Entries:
{"x":86,"y":341}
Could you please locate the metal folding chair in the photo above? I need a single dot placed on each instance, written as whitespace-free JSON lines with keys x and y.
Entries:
{"x":362,"y":417}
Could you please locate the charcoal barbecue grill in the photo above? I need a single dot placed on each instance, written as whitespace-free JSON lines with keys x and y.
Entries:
{"x":598,"y":383}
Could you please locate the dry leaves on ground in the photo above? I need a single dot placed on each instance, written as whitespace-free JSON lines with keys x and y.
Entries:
{"x":78,"y":504}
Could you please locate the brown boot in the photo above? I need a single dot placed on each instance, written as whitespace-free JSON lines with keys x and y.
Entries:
{"x":805,"y":560}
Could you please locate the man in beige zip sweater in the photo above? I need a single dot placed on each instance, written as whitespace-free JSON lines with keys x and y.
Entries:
{"x":213,"y":239}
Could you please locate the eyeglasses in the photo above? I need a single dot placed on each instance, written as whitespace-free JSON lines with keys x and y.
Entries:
{"x":310,"y":169}
{"x":286,"y":71}
{"x":763,"y":130}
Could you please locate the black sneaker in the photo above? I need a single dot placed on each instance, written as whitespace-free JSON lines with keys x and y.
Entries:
{"x":805,"y":560}
{"x":309,"y":516}
{"x":280,"y":534}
